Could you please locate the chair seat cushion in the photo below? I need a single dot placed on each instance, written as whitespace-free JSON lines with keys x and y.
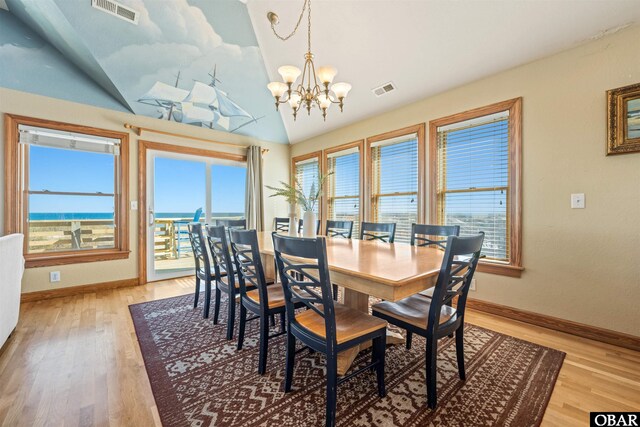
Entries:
{"x":350,"y":323}
{"x":275,"y":295}
{"x":413,"y":310}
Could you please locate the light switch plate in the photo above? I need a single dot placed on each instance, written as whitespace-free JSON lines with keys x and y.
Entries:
{"x":134,"y":205}
{"x":577,"y":201}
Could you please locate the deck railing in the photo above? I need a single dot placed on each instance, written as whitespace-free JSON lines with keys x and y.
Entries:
{"x":65,"y":235}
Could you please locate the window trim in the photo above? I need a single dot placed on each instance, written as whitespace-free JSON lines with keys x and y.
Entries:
{"x":14,"y":209}
{"x":325,"y":167}
{"x":418,"y":129}
{"x":514,"y":267}
{"x":317,"y":155}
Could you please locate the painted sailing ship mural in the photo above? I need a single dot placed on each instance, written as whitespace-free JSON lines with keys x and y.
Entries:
{"x":205,"y":104}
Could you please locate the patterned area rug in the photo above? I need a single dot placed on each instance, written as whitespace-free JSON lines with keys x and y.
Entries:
{"x":200,"y":379}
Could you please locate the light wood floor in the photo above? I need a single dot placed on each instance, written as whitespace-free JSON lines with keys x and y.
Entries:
{"x":76,"y":361}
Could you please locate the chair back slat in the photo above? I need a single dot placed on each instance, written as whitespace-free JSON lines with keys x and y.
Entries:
{"x":425,"y":234}
{"x":197,"y":215}
{"x":281,"y":224}
{"x":219,"y":248}
{"x":303,"y":269}
{"x":454,"y":280}
{"x":232,"y":223}
{"x":342,"y":229}
{"x":246,"y":255}
{"x":199,"y":247}
{"x":384,"y":231}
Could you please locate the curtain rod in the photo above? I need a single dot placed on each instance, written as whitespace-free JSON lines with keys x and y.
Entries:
{"x":138,"y":130}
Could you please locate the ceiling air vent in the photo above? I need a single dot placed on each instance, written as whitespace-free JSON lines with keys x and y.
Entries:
{"x":384,"y":89}
{"x":116,"y":9}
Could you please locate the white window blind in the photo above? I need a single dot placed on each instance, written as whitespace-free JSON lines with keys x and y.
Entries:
{"x":473,"y":180}
{"x":343,"y":187}
{"x":394,"y":185}
{"x":308,"y":173}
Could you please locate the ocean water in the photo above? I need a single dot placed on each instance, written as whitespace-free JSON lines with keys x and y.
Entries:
{"x":62,"y":216}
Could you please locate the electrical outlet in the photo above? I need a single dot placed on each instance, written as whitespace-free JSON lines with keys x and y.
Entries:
{"x":54,"y":276}
{"x":134,"y":205}
{"x":473,"y":285}
{"x":577,"y":201}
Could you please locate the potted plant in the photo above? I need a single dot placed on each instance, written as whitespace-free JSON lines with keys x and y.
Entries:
{"x":294,"y":194}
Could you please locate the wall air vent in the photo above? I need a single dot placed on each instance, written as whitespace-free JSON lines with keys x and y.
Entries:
{"x":384,"y":89}
{"x":116,"y":9}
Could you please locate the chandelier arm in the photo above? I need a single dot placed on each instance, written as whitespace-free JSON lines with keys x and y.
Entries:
{"x":284,"y":38}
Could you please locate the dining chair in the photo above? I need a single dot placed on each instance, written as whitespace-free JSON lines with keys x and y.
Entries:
{"x":301,"y":226}
{"x":326,"y":326}
{"x":256,"y":295}
{"x":281,"y":224}
{"x":339,"y":229}
{"x":232,"y":223}
{"x":225,"y":276}
{"x":425,"y":235}
{"x":385,"y":231}
{"x":433,"y":318}
{"x":202,"y":266}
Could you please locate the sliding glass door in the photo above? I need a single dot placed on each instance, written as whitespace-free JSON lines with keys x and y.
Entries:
{"x":181,"y":189}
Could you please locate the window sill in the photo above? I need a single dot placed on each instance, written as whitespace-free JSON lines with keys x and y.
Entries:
{"x":63,"y":258}
{"x":500,"y":269}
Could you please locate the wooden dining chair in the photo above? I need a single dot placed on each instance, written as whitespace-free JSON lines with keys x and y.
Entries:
{"x":256,"y":295}
{"x":423,"y":234}
{"x":385,"y":231}
{"x":433,"y":318}
{"x":301,"y":226}
{"x":281,"y":224}
{"x":203,"y":271}
{"x":224,"y":274}
{"x":325,"y":326}
{"x":232,"y":223}
{"x":427,"y":235}
{"x":339,"y":229}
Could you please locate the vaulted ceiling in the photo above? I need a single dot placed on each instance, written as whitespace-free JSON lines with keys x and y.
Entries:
{"x":163,"y":66}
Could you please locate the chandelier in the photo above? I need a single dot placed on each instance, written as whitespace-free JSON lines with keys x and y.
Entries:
{"x":308,"y":92}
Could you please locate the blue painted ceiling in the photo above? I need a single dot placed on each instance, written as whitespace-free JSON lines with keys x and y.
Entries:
{"x":162,"y":67}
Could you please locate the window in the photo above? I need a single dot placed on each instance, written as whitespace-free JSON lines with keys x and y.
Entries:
{"x":343,"y":185}
{"x":228,"y":187}
{"x":476,"y":169}
{"x":306,"y":170}
{"x":395,"y":169}
{"x":67,"y":191}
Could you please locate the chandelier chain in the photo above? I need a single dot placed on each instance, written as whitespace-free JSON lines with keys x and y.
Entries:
{"x":284,"y":38}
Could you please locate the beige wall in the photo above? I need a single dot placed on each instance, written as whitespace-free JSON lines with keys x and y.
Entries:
{"x":276,"y":165}
{"x":581,"y":265}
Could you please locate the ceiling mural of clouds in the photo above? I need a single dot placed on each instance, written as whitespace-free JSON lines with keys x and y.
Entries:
{"x":191,"y":61}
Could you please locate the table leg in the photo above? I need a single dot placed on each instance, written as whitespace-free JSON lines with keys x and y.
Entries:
{"x":360,"y":302}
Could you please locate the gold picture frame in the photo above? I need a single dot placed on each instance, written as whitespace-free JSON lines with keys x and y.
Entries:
{"x":623,"y":120}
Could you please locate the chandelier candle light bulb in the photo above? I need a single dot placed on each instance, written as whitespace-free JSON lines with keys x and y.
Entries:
{"x":308,"y":92}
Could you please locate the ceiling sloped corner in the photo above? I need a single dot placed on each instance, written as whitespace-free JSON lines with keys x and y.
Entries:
{"x":46,"y":19}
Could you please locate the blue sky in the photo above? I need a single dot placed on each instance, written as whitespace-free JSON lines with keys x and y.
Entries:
{"x":180,"y":184}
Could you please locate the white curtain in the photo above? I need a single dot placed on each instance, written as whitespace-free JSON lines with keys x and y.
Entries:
{"x":254,"y":209}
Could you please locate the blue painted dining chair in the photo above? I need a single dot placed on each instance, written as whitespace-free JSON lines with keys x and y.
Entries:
{"x":181,"y":233}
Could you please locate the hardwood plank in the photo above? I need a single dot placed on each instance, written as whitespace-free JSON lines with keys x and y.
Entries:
{"x":76,"y":359}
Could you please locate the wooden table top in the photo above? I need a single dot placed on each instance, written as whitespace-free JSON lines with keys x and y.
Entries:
{"x":396,"y":264}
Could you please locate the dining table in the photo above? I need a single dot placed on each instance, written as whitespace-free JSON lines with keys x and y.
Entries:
{"x":370,"y":268}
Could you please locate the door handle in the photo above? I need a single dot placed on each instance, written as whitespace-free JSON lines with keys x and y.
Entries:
{"x":151,"y":218}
